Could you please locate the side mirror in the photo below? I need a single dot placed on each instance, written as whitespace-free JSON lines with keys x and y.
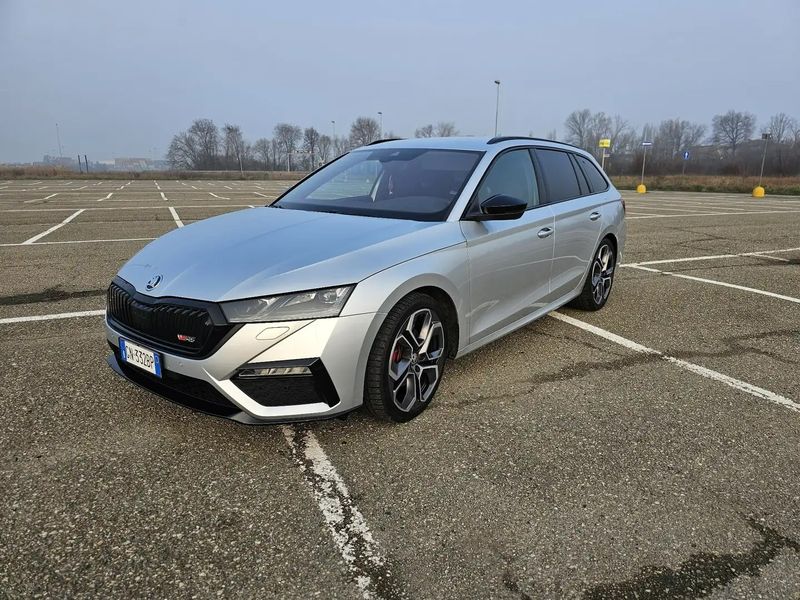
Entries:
{"x":501,"y":208}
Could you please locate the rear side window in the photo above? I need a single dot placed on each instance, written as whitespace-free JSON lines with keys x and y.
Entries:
{"x":597,"y":183}
{"x":560,"y":177}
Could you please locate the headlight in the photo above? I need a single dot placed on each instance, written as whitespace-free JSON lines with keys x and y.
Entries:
{"x":315,"y":304}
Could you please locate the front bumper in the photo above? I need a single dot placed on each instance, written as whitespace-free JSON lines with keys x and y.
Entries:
{"x":332,"y":351}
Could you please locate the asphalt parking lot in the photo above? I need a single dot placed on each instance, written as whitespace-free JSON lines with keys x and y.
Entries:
{"x":649,"y":450}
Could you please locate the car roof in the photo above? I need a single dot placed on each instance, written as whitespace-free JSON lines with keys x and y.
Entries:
{"x":482,"y":144}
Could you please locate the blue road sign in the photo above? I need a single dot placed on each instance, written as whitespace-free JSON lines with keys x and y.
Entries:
{"x":686,"y":155}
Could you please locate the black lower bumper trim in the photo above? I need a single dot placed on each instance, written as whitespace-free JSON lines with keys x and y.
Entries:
{"x":173,"y":394}
{"x":175,"y":388}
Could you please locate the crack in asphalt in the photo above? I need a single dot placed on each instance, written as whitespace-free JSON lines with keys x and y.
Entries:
{"x":566,"y":373}
{"x":735,"y":347}
{"x":700,"y":574}
{"x":53,"y":294}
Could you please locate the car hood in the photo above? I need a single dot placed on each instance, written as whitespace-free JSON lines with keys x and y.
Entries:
{"x":265,"y":251}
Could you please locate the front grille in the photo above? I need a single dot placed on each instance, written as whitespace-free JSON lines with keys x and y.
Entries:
{"x":179,"y":326}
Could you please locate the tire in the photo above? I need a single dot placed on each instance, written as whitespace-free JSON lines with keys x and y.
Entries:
{"x":599,"y":279}
{"x":406,"y":362}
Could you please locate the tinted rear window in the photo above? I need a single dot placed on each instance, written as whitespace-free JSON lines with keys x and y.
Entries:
{"x":559,"y":175}
{"x":597,"y":183}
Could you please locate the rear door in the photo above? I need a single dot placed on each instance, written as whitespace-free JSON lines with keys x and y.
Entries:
{"x":577,"y":220}
{"x":509,"y":261}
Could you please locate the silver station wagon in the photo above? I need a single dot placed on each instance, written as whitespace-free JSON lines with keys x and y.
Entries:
{"x":358,"y":283}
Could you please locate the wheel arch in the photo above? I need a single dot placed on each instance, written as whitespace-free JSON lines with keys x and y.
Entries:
{"x":450,"y":317}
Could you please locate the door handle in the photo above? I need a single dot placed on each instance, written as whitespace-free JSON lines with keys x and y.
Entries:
{"x":594,"y":216}
{"x":545,"y":232}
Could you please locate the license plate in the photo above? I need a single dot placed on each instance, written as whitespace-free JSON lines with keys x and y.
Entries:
{"x":135,"y":355}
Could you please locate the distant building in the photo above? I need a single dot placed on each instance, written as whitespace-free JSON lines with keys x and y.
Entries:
{"x":132,"y":164}
{"x":60,"y":161}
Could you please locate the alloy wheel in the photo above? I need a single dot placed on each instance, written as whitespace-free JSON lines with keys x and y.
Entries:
{"x":602,"y":273}
{"x":415,"y":359}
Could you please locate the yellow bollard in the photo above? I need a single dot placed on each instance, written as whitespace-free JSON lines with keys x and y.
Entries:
{"x":758,"y":192}
{"x":641,"y":189}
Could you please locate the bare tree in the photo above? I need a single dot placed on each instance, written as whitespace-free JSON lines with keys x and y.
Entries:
{"x":311,"y":145}
{"x":551,"y":135}
{"x":325,"y":147}
{"x":262,"y":149}
{"x":363,"y":131}
{"x":425,"y":131}
{"x":341,"y":145}
{"x":599,"y":128}
{"x":275,"y":149}
{"x":195,"y":148}
{"x":781,"y":126}
{"x":288,"y":136}
{"x":446,"y":129}
{"x":578,"y":126}
{"x":622,"y":135}
{"x":234,"y":145}
{"x":674,"y":136}
{"x":183,"y":152}
{"x":732,"y":128}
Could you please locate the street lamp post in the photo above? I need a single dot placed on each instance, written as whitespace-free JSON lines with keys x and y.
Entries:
{"x":380,"y":126}
{"x":497,"y":107}
{"x":641,"y":189}
{"x":333,"y":126}
{"x":766,"y":137}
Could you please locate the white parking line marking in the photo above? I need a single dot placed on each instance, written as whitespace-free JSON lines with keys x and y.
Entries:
{"x":143,"y":239}
{"x":53,"y":208}
{"x":262,"y":195}
{"x":53,"y":228}
{"x":720,"y":283}
{"x":661,"y":207}
{"x":41,"y":199}
{"x":175,"y":216}
{"x":347,"y":525}
{"x":106,"y":198}
{"x":163,"y":197}
{"x":717,"y":214}
{"x":772,"y":257}
{"x":220,"y":197}
{"x":68,"y":315}
{"x":738,"y":384}
{"x":760,"y":253}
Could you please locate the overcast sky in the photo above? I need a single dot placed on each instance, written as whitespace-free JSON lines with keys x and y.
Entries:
{"x":121,"y":78}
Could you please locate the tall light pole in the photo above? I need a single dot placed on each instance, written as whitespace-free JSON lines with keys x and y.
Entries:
{"x":333,"y":126}
{"x":641,"y":189}
{"x":766,"y":137}
{"x":497,"y":107}
{"x":58,"y":138}
{"x":380,"y":126}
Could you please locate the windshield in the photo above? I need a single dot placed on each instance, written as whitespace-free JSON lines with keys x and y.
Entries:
{"x":400,"y":183}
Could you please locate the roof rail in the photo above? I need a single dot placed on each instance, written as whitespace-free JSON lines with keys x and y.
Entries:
{"x":386,"y":140}
{"x":508,"y":138}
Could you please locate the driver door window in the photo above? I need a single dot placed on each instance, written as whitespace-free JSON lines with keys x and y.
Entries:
{"x":512,"y":175}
